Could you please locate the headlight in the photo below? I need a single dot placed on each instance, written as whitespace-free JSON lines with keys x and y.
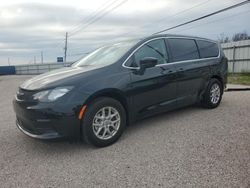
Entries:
{"x":51,"y":95}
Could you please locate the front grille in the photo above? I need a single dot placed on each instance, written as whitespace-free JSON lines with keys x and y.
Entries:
{"x":24,"y":95}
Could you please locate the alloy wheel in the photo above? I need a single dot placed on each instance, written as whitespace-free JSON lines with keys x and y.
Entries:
{"x":106,"y":123}
{"x":215,"y":93}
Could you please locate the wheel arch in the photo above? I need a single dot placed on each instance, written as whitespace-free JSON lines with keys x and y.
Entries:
{"x":214,"y":76}
{"x":112,"y":93}
{"x":220,"y":79}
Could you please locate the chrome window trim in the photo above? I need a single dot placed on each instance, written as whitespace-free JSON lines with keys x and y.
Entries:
{"x":175,"y":62}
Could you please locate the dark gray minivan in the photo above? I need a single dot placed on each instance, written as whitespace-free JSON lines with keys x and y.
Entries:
{"x":99,"y":95}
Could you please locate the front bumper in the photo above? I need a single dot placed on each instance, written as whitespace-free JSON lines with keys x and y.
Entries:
{"x":47,"y":121}
{"x":45,"y":136}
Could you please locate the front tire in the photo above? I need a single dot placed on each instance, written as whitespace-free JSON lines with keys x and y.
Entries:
{"x":213,"y":94}
{"x":103,"y":122}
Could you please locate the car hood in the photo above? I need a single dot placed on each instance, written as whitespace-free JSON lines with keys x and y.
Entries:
{"x":59,"y":77}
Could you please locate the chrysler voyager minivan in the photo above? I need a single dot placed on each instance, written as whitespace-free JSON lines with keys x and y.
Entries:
{"x":99,"y":95}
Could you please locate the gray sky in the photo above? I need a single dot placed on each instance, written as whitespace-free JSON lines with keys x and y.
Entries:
{"x":29,"y":27}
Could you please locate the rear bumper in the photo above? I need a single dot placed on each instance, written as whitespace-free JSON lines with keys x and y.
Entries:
{"x":47,"y":121}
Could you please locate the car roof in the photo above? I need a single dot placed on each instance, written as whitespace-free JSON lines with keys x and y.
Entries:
{"x":175,"y":36}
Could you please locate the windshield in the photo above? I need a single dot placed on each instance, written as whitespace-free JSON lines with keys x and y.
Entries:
{"x":106,"y":55}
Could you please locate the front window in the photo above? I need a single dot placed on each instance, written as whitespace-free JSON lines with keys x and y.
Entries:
{"x":155,"y":49}
{"x":106,"y":55}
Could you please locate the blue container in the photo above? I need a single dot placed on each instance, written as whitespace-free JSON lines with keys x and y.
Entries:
{"x":7,"y":70}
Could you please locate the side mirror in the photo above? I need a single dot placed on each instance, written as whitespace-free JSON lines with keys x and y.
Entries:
{"x":148,"y":62}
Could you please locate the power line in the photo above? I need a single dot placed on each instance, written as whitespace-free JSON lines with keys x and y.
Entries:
{"x":184,"y":11}
{"x":224,"y":18}
{"x":107,"y":5}
{"x":93,"y":15}
{"x":208,"y":15}
{"x":169,"y":16}
{"x":61,"y":42}
{"x":96,"y":18}
{"x":99,"y":17}
{"x":214,"y":21}
{"x":205,"y":16}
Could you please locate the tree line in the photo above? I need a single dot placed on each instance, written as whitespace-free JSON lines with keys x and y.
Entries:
{"x":235,"y":37}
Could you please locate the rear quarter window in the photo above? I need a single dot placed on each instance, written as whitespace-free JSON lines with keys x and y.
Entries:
{"x":207,"y":49}
{"x":183,"y":49}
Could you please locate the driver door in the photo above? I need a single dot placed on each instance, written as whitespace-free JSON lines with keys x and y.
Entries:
{"x":155,"y":88}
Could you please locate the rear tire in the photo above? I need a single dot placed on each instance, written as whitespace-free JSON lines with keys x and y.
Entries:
{"x":103,"y":122}
{"x":213,"y":94}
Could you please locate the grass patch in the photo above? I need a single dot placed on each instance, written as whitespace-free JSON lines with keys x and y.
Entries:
{"x":239,"y":78}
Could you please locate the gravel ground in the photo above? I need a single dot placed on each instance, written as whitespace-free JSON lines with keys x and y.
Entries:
{"x":192,"y":147}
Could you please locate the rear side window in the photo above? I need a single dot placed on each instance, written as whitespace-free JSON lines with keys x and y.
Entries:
{"x":183,"y":49}
{"x":207,"y":49}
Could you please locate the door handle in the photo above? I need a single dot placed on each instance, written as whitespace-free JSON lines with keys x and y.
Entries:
{"x":167,"y":71}
{"x":181,"y":69}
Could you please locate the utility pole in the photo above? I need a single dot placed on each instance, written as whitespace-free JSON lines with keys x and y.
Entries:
{"x":42,"y":57}
{"x":65,"y":48}
{"x":34,"y":59}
